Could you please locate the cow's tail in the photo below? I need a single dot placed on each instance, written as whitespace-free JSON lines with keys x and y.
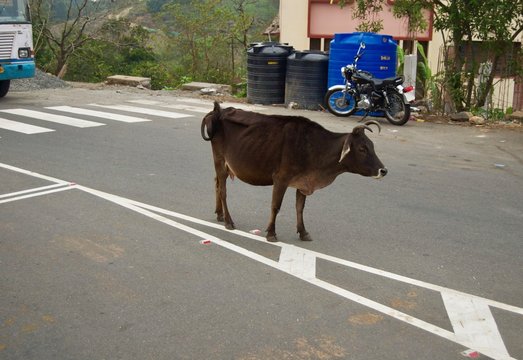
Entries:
{"x":210,"y":122}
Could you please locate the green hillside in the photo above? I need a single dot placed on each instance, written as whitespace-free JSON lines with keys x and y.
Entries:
{"x":170,"y":41}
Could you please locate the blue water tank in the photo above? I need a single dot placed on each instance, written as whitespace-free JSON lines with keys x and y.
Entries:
{"x":379,"y":56}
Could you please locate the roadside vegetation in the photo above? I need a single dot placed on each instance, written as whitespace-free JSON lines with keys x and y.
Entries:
{"x":170,"y":41}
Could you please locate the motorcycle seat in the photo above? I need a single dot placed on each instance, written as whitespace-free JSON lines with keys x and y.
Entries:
{"x":396,"y":80}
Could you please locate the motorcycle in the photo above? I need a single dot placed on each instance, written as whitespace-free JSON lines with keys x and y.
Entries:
{"x":363,"y":92}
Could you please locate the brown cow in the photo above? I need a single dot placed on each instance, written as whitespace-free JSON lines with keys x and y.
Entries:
{"x":283,"y":151}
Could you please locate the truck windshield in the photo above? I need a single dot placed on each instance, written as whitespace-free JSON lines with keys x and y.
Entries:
{"x":14,"y":11}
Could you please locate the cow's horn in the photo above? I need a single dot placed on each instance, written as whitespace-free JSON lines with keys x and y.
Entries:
{"x":373,"y":122}
{"x":362,"y":127}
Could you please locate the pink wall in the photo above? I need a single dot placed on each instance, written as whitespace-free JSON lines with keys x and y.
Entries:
{"x":325,"y":20}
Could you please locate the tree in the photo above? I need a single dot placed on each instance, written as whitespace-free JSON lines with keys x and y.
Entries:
{"x":211,"y":36}
{"x":493,"y":22}
{"x":120,"y":48}
{"x":497,"y":34}
{"x":155,"y":6}
{"x":197,"y":32}
{"x":62,"y":39}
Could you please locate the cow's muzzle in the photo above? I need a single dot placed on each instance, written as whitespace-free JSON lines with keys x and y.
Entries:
{"x":381,"y":173}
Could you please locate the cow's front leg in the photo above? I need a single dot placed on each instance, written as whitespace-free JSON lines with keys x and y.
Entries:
{"x":278,"y":191}
{"x":300,"y":204}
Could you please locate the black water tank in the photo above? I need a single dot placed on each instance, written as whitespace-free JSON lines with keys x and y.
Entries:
{"x":266,"y":68}
{"x":306,"y":80}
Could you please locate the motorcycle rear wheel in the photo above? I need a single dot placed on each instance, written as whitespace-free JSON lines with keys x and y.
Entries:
{"x":397,"y":112}
{"x":338,"y":105}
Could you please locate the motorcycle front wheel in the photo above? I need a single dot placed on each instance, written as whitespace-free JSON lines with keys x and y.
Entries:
{"x":340,"y":103}
{"x":397,"y":112}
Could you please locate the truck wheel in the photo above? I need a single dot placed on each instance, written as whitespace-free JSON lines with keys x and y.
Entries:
{"x":4,"y":87}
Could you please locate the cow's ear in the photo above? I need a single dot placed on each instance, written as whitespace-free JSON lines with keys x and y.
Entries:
{"x":346,"y":147}
{"x":360,"y":130}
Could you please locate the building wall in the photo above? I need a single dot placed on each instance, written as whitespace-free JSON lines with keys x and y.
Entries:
{"x":293,"y":23}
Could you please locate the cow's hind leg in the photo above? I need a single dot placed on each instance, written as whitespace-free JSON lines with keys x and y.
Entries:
{"x":219,"y":209}
{"x":300,"y":204}
{"x":278,"y":191}
{"x":222,"y":211}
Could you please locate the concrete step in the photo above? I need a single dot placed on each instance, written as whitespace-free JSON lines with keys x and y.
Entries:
{"x":129,"y":80}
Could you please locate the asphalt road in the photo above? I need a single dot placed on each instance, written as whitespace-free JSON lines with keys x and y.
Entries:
{"x":109,"y":248}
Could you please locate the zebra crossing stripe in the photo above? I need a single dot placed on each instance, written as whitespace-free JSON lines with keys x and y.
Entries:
{"x":205,"y":107}
{"x":99,"y":114}
{"x":185,"y":107}
{"x":21,"y":127}
{"x":189,"y":108}
{"x":139,"y":110}
{"x":248,"y":107}
{"x":59,"y":119}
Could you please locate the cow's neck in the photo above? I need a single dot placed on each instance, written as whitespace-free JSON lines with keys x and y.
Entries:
{"x":329,"y":165}
{"x":323,"y":172}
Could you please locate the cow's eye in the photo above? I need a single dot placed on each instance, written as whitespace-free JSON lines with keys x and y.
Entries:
{"x":362,"y":149}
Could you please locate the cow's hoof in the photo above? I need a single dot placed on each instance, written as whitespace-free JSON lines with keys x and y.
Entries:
{"x":230,"y":226}
{"x":272,"y":238}
{"x":305,"y":237}
{"x":219,"y":217}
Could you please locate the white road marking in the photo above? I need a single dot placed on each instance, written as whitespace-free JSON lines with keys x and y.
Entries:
{"x":33,"y":174}
{"x":330,"y":258}
{"x":474,"y":324}
{"x":209,"y":104}
{"x":99,"y":114}
{"x":59,"y":119}
{"x":30,"y":190}
{"x":173,"y":106}
{"x":21,"y":127}
{"x":242,"y":106}
{"x":22,"y":197}
{"x":189,"y":108}
{"x":140,"y":110}
{"x":468,"y":331}
{"x":144,"y":102}
{"x":298,"y":262}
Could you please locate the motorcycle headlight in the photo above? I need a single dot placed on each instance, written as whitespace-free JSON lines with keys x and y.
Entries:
{"x":343,"y":69}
